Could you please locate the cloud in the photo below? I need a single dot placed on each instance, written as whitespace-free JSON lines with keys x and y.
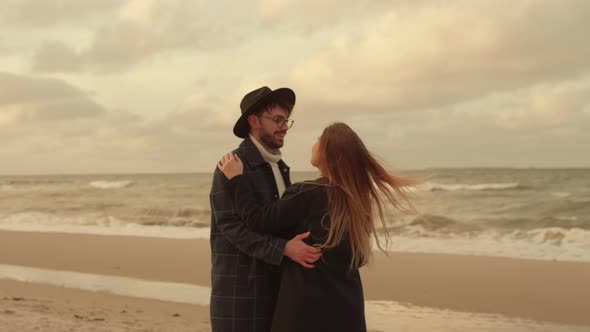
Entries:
{"x":202,"y":112}
{"x":41,"y":14}
{"x":18,"y":88}
{"x":51,"y":126}
{"x":141,"y":30}
{"x":113,"y":49}
{"x":547,"y":106}
{"x":4,"y":49}
{"x":310,"y":16}
{"x":463,"y":83}
{"x":543,"y":125}
{"x":436,"y":55}
{"x":28,"y":99}
{"x":55,"y":56}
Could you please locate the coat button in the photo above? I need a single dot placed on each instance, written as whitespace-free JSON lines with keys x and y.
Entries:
{"x":276,"y":196}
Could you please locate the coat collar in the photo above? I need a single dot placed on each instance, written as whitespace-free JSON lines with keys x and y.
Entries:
{"x":253,"y":156}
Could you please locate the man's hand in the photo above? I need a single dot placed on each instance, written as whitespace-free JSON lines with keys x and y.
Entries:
{"x":300,"y":252}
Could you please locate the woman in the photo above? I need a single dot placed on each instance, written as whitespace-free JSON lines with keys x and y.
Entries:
{"x":339,"y":211}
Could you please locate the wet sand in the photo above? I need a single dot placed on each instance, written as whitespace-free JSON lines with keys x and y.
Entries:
{"x":544,"y":291}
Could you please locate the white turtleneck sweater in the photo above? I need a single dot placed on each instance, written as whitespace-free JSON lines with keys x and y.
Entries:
{"x":273,"y":160}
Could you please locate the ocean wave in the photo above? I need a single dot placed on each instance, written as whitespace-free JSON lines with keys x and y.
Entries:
{"x":561,"y":194}
{"x":428,"y":225}
{"x":180,"y":212}
{"x":432,"y":186}
{"x":433,"y":234}
{"x":34,"y":185}
{"x":180,"y":217}
{"x":542,"y":222}
{"x":34,"y":181}
{"x":543,"y":244}
{"x":554,"y":235}
{"x":569,"y":207}
{"x":175,"y":223}
{"x":111,"y":184}
{"x":435,"y":225}
{"x":98,"y":225}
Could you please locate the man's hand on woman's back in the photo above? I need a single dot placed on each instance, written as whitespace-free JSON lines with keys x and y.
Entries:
{"x":299,"y":252}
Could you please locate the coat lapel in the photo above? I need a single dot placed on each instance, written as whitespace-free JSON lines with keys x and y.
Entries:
{"x":255,"y":159}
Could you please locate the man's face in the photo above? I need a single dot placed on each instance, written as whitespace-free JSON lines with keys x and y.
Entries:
{"x":270,"y":133}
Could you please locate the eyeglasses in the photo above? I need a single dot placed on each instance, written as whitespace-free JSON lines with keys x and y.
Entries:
{"x":280,"y":121}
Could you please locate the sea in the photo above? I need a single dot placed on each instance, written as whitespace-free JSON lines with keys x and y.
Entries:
{"x":526,"y":213}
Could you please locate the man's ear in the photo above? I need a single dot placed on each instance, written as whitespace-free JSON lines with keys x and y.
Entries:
{"x":253,"y":121}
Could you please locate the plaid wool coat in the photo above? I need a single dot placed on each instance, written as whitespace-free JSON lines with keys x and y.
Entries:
{"x":245,"y":274}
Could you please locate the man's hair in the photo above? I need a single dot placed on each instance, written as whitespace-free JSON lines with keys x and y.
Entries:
{"x":266,"y":108}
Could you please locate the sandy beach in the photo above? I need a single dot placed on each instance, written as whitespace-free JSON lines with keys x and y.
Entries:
{"x":36,"y":307}
{"x":546,"y":291}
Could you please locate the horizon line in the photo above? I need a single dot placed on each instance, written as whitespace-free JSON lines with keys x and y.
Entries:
{"x":298,"y":171}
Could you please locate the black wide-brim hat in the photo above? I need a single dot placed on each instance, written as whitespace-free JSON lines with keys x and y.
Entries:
{"x":256,"y":99}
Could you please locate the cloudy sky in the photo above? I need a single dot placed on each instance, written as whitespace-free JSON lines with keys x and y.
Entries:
{"x":91,"y":86}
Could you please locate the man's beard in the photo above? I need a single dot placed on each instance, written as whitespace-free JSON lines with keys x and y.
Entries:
{"x":270,"y":141}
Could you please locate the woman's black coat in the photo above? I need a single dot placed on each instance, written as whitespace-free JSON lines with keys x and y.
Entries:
{"x":328,"y":297}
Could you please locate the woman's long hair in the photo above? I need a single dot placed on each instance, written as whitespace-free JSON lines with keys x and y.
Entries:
{"x":358,"y":189}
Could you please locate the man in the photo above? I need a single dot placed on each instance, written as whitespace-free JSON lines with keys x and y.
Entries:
{"x":245,"y":271}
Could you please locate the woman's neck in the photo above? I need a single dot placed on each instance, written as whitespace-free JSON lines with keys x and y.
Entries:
{"x":323,"y":172}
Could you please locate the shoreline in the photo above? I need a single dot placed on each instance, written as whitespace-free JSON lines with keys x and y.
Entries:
{"x":538,"y":290}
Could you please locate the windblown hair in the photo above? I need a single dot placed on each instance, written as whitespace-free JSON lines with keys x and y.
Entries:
{"x":358,"y":189}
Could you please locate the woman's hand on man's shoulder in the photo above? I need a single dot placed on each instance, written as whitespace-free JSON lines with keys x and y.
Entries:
{"x":231,"y":165}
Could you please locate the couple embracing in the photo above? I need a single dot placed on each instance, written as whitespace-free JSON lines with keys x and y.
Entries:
{"x":286,"y":257}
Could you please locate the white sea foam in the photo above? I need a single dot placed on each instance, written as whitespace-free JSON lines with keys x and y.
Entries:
{"x":432,"y":186}
{"x":561,"y":194}
{"x":392,"y":316}
{"x":542,"y":244}
{"x":97,"y":225}
{"x":110,"y":184}
{"x":552,"y":243}
{"x":382,"y":316}
{"x":6,"y":187}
